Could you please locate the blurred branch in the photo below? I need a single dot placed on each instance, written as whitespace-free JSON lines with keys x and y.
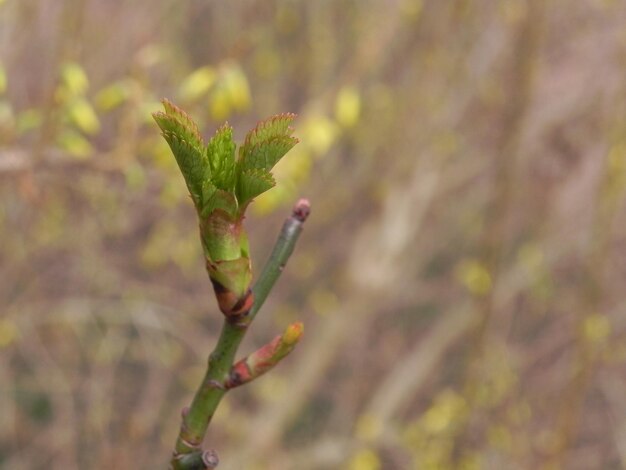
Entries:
{"x":507,"y":149}
{"x":14,"y":160}
{"x":18,"y":160}
{"x":403,"y":383}
{"x":588,"y":350}
{"x":614,"y":391}
{"x":495,"y":236}
{"x":411,"y":372}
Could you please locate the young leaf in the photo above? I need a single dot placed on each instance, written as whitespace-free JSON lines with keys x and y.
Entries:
{"x":191,"y":128}
{"x":221,"y":157}
{"x":252,"y":183}
{"x":183,"y":137}
{"x":169,"y":123}
{"x":265,"y":154}
{"x":191,"y":162}
{"x":268,"y":129}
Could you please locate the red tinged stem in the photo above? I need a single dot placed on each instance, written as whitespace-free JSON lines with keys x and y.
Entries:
{"x":265,"y":358}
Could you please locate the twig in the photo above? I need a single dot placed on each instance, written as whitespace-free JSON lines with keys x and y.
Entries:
{"x":280,"y":254}
{"x":197,"y":417}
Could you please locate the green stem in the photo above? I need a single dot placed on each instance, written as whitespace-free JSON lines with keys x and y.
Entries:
{"x":199,"y":460}
{"x":196,"y":419}
{"x":280,"y":254}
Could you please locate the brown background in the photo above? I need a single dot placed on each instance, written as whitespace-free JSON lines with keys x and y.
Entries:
{"x":461,"y":277}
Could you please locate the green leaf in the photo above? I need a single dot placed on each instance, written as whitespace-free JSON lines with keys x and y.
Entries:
{"x":208,"y":191}
{"x":221,"y":157}
{"x":183,"y":137}
{"x":178,"y":121}
{"x":268,"y":129}
{"x":267,"y":143}
{"x":192,"y":163}
{"x":215,"y":178}
{"x":252,"y":183}
{"x":265,"y":154}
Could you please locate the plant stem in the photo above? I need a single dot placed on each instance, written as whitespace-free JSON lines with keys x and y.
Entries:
{"x":197,"y":417}
{"x":280,"y":254}
{"x":199,"y":460}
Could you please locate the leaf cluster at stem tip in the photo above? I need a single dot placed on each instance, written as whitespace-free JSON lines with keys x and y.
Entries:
{"x":215,"y":177}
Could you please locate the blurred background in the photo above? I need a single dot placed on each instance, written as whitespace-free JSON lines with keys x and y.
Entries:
{"x":461,"y":277}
